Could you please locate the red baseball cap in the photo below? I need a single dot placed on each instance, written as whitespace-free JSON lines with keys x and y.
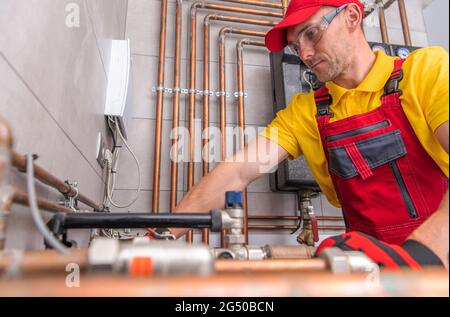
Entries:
{"x":298,"y":12}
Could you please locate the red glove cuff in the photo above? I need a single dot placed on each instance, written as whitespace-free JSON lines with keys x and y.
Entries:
{"x":412,"y":254}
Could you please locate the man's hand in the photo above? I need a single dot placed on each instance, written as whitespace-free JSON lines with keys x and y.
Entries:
{"x":410,"y":254}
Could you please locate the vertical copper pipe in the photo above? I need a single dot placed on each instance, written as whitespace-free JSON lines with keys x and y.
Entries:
{"x":176,"y":107}
{"x":222,"y":34}
{"x":192,"y":75}
{"x":383,"y":25}
{"x":6,"y":192}
{"x":284,"y":5}
{"x":191,"y":120}
{"x":159,"y":109}
{"x":205,"y":117}
{"x":259,"y":3}
{"x":241,"y":120}
{"x":222,"y":100}
{"x":206,"y":82}
{"x":241,"y":110}
{"x":405,"y":24}
{"x":222,"y":107}
{"x":193,"y":41}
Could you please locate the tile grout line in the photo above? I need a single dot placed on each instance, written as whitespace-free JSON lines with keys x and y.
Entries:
{"x":96,"y":39}
{"x":198,"y":60}
{"x":48,"y":112}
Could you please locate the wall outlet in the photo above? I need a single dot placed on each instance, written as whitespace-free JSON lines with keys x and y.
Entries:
{"x":101,"y":148}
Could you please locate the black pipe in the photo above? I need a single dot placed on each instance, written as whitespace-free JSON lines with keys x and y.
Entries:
{"x":60,"y":222}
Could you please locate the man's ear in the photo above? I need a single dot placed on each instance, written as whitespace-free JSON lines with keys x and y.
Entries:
{"x":353,"y":17}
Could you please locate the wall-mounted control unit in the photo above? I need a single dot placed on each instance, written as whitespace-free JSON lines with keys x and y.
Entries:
{"x":120,"y":88}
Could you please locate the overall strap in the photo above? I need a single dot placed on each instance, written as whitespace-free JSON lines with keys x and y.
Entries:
{"x":323,"y":101}
{"x":394,"y":80}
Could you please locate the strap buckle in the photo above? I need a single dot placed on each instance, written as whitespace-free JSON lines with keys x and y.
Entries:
{"x":323,"y":104}
{"x":392,"y":85}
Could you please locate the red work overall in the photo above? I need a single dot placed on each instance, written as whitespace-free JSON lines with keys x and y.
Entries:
{"x":386,"y":182}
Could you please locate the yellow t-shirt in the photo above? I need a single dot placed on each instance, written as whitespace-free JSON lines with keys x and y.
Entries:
{"x":424,"y":100}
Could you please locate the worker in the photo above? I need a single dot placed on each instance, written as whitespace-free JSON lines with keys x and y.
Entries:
{"x":375,"y":137}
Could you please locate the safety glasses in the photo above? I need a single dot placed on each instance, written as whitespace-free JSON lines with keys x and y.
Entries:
{"x":313,"y":34}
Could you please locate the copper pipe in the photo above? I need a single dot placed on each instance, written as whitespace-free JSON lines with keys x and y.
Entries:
{"x":241,"y":110}
{"x":405,"y":24}
{"x":6,"y":191}
{"x":325,"y":218}
{"x":206,"y":81}
{"x":383,"y":25}
{"x":429,"y":282}
{"x":222,"y":81}
{"x":192,"y":75}
{"x":221,"y":7}
{"x":386,"y":4}
{"x":41,"y":262}
{"x":259,"y":3}
{"x":223,"y":32}
{"x":21,"y":198}
{"x":205,"y":116}
{"x":290,"y":227}
{"x":284,"y":5}
{"x":290,"y":251}
{"x":159,"y":108}
{"x":176,"y":108}
{"x":269,"y":266}
{"x":20,"y":162}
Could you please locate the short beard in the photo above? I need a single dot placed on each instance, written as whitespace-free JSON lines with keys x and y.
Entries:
{"x":336,"y":67}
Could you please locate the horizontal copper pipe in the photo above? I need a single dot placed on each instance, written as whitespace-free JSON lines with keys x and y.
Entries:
{"x":265,"y":4}
{"x":289,"y":227}
{"x":290,"y":251}
{"x":279,"y":284}
{"x":20,"y":162}
{"x":220,"y":7}
{"x":42,"y":262}
{"x":271,"y":265}
{"x":21,"y":198}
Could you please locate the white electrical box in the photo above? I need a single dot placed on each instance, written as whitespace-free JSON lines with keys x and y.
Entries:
{"x":120,"y":88}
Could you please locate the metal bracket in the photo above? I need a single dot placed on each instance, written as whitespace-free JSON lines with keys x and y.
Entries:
{"x":185,"y":91}
{"x":69,"y":201}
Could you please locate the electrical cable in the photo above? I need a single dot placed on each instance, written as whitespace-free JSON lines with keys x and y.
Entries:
{"x":110,"y":168}
{"x":35,"y":213}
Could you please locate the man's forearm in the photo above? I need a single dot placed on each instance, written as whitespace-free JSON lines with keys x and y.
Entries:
{"x":258,"y":157}
{"x":434,"y":232}
{"x":209,"y":193}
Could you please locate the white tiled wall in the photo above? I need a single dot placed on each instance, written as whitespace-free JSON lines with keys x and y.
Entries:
{"x":52,"y":91}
